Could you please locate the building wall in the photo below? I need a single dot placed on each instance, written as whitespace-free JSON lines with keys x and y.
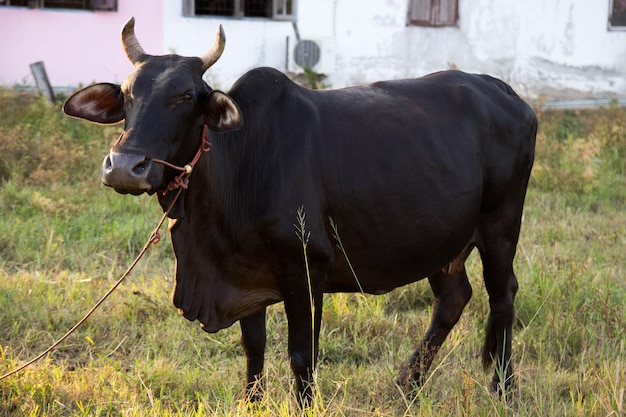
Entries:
{"x":76,"y":46}
{"x":554,"y":49}
{"x":250,"y":42}
{"x":550,"y":49}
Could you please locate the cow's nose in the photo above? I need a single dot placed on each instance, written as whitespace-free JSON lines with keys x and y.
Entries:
{"x":126,"y":172}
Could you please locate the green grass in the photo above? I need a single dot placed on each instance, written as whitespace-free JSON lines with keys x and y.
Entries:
{"x":65,"y":239}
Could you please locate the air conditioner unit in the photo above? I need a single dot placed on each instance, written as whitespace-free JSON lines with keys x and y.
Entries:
{"x":317,"y":54}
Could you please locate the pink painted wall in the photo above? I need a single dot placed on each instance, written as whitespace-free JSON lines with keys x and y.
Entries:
{"x":77,"y":47}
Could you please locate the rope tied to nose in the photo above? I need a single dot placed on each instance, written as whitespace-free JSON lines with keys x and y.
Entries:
{"x":182,"y":179}
{"x":180,"y":183}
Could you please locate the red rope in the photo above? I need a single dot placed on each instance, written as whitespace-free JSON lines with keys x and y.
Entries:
{"x":182,"y":179}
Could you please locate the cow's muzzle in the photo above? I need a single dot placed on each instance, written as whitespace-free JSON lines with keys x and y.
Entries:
{"x":127,"y":173}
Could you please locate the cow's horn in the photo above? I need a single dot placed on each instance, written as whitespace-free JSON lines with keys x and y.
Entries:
{"x":216,"y":50}
{"x":131,"y":46}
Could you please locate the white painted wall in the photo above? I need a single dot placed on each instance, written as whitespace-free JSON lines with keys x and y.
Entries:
{"x":544,"y":48}
{"x":250,"y":43}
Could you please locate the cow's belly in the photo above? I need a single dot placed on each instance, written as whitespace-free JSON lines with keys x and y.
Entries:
{"x":377,"y":252}
{"x":374,"y":274}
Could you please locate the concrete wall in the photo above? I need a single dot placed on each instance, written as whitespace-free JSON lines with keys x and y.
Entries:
{"x":554,"y":48}
{"x":550,"y":49}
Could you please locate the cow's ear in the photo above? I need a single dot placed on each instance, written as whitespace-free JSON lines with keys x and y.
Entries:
{"x":99,"y":103}
{"x":222,"y":113}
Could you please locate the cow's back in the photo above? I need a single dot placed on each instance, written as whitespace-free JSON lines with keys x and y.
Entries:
{"x":403,"y":168}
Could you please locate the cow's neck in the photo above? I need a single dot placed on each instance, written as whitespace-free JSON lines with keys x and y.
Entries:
{"x":224,"y":192}
{"x":212,"y":242}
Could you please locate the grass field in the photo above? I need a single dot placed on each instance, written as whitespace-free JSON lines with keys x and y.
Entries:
{"x":65,"y":239}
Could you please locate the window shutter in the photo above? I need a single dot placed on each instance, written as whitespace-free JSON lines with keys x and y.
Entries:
{"x":419,"y":12}
{"x":617,"y":18}
{"x":445,"y":13}
{"x":433,"y":12}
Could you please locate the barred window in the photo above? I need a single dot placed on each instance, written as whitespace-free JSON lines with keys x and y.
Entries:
{"x":271,"y":9}
{"x":14,"y":2}
{"x":433,"y":13}
{"x":106,"y":5}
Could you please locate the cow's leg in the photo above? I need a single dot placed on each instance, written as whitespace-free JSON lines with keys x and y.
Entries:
{"x":303,"y":339}
{"x":497,"y":246}
{"x":253,"y":339}
{"x":452,"y":292}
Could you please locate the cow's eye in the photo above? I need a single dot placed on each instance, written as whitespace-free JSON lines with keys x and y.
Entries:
{"x":185,"y":98}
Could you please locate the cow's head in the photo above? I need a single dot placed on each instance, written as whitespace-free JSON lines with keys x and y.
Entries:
{"x":164,"y":103}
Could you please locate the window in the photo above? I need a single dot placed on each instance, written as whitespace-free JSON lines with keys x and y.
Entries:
{"x":272,"y":9}
{"x":14,"y":2}
{"x":109,"y":5}
{"x":617,"y":15}
{"x":65,"y":4}
{"x":433,"y":12}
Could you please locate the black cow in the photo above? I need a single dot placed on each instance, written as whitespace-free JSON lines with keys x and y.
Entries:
{"x":412,"y":173}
